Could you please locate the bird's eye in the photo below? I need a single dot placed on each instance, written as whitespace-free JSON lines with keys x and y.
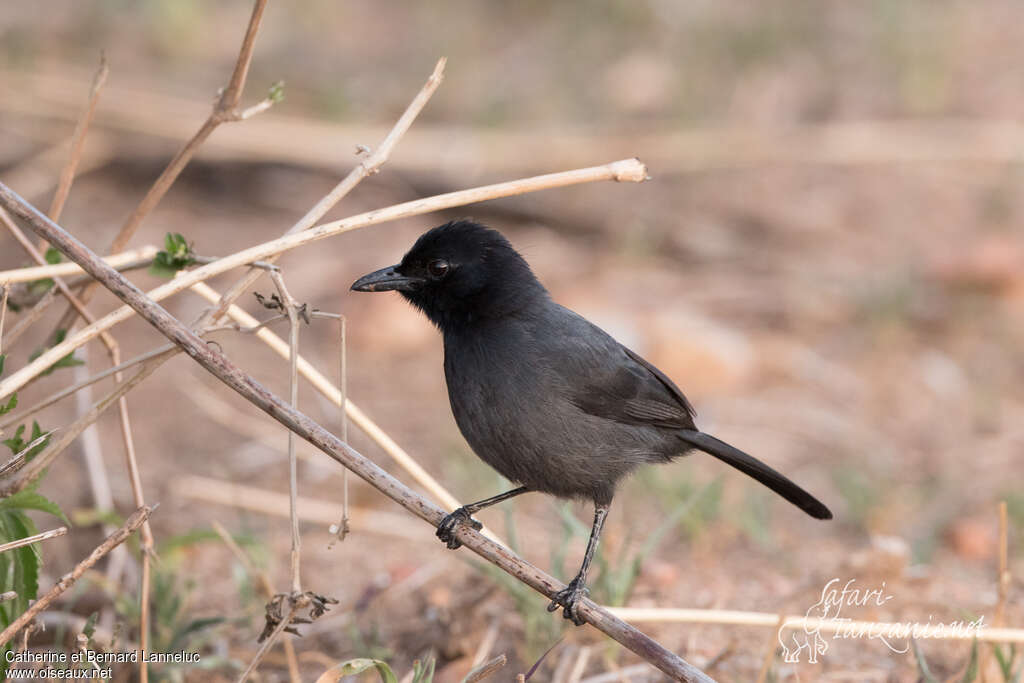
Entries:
{"x":438,"y":268}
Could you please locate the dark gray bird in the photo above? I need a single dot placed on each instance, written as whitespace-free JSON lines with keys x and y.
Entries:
{"x":542,"y":395}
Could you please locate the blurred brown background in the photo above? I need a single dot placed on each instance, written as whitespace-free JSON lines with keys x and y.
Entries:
{"x":828,"y":260}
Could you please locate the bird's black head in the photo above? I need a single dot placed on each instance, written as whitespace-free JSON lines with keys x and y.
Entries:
{"x":459,"y":273}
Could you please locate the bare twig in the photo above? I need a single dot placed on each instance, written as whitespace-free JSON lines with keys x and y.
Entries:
{"x":132,"y":257}
{"x":268,"y":643}
{"x":4,"y":292}
{"x":627,"y":170}
{"x":222,"y":368}
{"x":29,"y":540}
{"x":69,"y":579}
{"x":8,"y":596}
{"x":291,"y":308}
{"x":67,"y":174}
{"x":342,"y":527}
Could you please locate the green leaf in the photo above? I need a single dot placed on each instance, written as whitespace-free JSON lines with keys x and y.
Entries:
{"x":28,"y":499}
{"x":17,"y":444}
{"x":276,"y":94}
{"x":177,"y":254}
{"x":922,"y":665}
{"x":2,"y":359}
{"x":12,"y":403}
{"x":357,"y":666}
{"x":90,"y":625}
{"x":972,"y":666}
{"x":423,"y":673}
{"x":53,"y":257}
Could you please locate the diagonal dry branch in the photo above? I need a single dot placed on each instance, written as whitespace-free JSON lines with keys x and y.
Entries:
{"x":626,"y":170}
{"x":222,"y":368}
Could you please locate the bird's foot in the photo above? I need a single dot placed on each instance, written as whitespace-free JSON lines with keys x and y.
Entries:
{"x":446,"y":529}
{"x":568,"y":599}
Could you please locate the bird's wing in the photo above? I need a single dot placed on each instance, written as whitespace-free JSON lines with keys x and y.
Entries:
{"x":606,"y":379}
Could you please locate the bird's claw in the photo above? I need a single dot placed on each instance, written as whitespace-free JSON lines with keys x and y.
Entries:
{"x":446,"y":529}
{"x":568,"y":599}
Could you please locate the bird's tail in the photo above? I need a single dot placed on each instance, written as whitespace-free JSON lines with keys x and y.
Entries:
{"x":753,"y":467}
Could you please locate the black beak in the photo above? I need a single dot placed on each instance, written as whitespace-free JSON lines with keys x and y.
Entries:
{"x":386,"y":279}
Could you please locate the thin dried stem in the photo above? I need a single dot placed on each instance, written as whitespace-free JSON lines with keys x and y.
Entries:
{"x":67,"y":174}
{"x":268,"y":643}
{"x":342,"y":527}
{"x":630,"y":170}
{"x":330,"y":200}
{"x":291,"y":308}
{"x":115,"y":539}
{"x":29,"y":540}
{"x":4,"y":291}
{"x":242,"y":383}
{"x":132,"y":257}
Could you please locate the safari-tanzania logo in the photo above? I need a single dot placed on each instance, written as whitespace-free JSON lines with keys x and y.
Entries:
{"x":826,"y":616}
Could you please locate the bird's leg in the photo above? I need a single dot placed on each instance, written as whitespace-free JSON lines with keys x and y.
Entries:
{"x":569,"y":597}
{"x":463,"y":515}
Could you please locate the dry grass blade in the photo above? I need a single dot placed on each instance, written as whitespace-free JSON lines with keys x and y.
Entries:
{"x":222,"y":368}
{"x":69,"y":579}
{"x":291,"y":308}
{"x":486,"y":670}
{"x":29,"y":540}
